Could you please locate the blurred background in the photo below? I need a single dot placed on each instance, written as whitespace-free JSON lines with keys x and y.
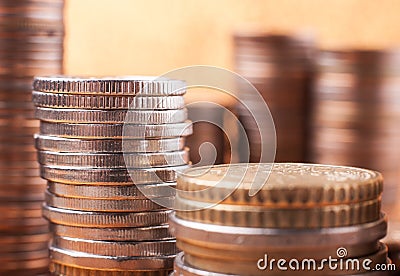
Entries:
{"x":153,"y":37}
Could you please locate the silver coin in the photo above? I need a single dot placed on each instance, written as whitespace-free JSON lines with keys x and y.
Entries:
{"x":127,"y":85}
{"x":116,"y":131}
{"x":112,"y":160}
{"x":59,"y":144}
{"x":77,"y":175}
{"x":107,"y":262}
{"x":107,"y":102}
{"x":111,"y":116}
{"x":103,"y":205}
{"x":112,"y":192}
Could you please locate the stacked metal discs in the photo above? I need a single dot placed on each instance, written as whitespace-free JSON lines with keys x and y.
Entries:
{"x":357,"y":111}
{"x":106,"y":145}
{"x":303,"y":211}
{"x":279,"y":68}
{"x":31,"y":42}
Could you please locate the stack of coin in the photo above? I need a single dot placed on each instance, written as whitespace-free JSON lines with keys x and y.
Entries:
{"x":302,"y":211}
{"x":279,"y":68}
{"x":31,"y":42}
{"x":106,"y":146}
{"x":357,"y":111}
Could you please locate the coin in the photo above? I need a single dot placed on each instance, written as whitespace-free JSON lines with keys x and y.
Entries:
{"x":61,"y":269}
{"x":111,"y":116}
{"x":106,"y":102}
{"x":103,"y":205}
{"x":115,"y":192}
{"x":110,"y":160}
{"x":146,"y":233}
{"x":104,"y":219}
{"x":275,"y":239}
{"x":287,"y":185}
{"x":120,"y":248}
{"x":78,"y":175}
{"x":252,"y":216}
{"x":245,"y":268}
{"x":101,"y":262}
{"x":128,"y":85}
{"x":116,"y":131}
{"x":59,"y":144}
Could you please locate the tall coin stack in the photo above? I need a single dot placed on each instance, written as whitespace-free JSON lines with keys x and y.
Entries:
{"x":31,"y":42}
{"x":357,"y":113}
{"x":279,"y":68}
{"x":107,"y":146}
{"x":302,"y":212}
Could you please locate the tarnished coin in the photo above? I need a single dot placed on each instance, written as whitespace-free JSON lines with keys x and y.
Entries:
{"x":117,"y":248}
{"x":107,"y":102}
{"x":124,"y":85}
{"x":78,"y":175}
{"x":116,"y":131}
{"x":59,"y":144}
{"x":104,"y":219}
{"x":111,"y":116}
{"x":103,"y":205}
{"x":112,"y":160}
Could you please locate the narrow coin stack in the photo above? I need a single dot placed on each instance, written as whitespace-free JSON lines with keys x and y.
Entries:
{"x":279,"y":68}
{"x":31,"y":43}
{"x":357,"y":112}
{"x":302,"y":212}
{"x":105,"y":146}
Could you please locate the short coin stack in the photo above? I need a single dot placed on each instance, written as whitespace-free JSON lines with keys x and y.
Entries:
{"x":99,"y":137}
{"x":303,"y":211}
{"x":31,"y":43}
{"x":279,"y":68}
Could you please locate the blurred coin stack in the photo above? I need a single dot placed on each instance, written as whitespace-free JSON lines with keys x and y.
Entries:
{"x":357,"y":113}
{"x":31,"y":42}
{"x":279,"y":68}
{"x":302,"y":212}
{"x":106,"y":145}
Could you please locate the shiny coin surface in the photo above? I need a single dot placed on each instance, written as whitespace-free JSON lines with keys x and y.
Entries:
{"x":104,"y":219}
{"x":116,"y":131}
{"x":107,"y":102}
{"x":127,"y":85}
{"x":59,"y":144}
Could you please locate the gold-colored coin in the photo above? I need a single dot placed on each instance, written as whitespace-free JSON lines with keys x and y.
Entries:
{"x":252,"y":216}
{"x":280,"y":185}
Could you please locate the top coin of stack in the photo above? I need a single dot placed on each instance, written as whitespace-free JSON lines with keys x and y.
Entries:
{"x":31,"y":43}
{"x":279,"y":68}
{"x":303,"y":211}
{"x":105,"y":146}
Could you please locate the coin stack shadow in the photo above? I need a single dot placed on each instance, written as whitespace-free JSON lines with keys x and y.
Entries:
{"x":31,"y":42}
{"x":106,"y":146}
{"x":303,"y":211}
{"x":279,"y":67}
{"x":356,"y":114}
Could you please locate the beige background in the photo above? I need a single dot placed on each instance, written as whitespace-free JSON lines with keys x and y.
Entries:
{"x":155,"y":36}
